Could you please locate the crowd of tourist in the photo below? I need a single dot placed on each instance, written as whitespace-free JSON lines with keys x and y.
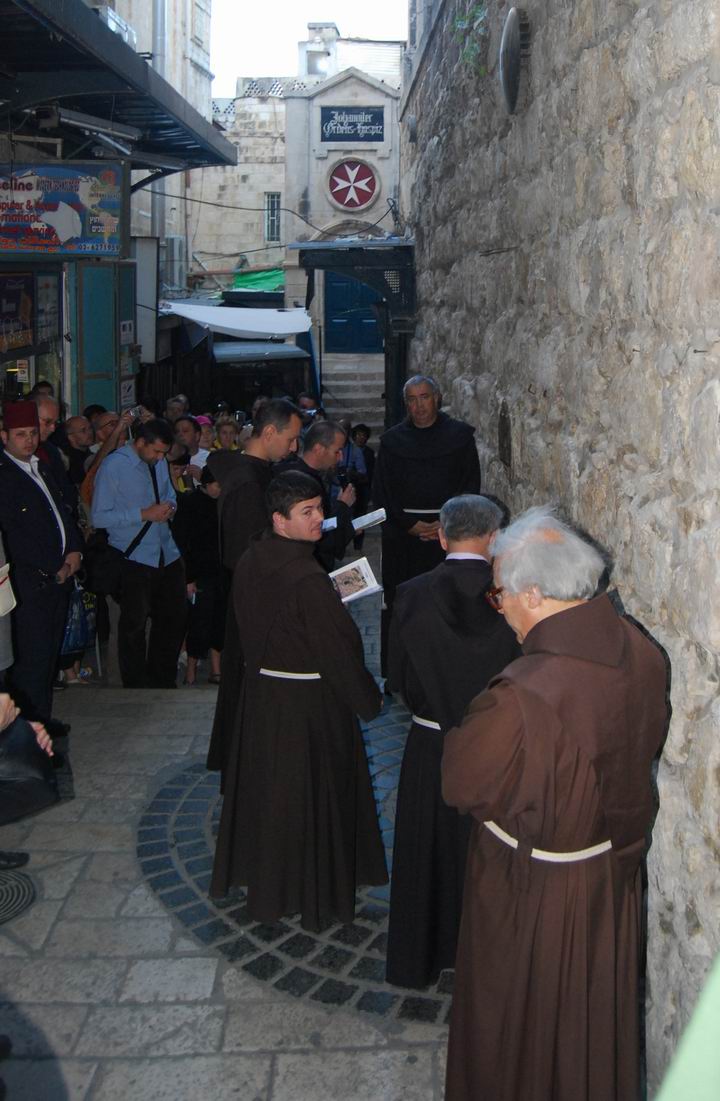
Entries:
{"x":524,"y":798}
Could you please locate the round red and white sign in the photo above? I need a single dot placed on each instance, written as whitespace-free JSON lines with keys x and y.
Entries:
{"x":353,"y":184}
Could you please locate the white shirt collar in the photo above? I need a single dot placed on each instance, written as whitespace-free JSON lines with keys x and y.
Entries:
{"x":462,"y":556}
{"x":30,"y":467}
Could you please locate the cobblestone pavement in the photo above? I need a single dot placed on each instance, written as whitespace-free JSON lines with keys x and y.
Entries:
{"x":111,"y":987}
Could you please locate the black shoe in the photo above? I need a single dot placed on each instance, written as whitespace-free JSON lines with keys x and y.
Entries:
{"x":8,"y":861}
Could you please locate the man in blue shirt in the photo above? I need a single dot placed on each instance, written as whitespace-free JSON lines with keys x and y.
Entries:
{"x":133,"y":494}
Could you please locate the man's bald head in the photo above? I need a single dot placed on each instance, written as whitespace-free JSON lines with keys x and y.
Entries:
{"x":48,"y":413}
{"x":79,"y":432}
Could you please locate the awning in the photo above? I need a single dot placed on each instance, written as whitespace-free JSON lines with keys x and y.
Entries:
{"x":247,"y":324}
{"x":271,"y":280}
{"x":60,"y":56}
{"x":254,"y":350}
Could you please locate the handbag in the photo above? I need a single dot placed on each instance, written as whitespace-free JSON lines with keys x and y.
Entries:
{"x":7,"y":596}
{"x":27,"y":776}
{"x":80,"y":622}
{"x":103,"y":562}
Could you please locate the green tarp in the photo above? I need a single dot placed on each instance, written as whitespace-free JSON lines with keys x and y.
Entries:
{"x":273,"y":280}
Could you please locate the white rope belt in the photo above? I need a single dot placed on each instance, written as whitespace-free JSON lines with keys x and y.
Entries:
{"x":282,"y":675}
{"x":423,"y":511}
{"x":426,"y":722}
{"x":544,"y":854}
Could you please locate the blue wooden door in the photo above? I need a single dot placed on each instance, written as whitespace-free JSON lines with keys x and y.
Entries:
{"x":350,"y":322}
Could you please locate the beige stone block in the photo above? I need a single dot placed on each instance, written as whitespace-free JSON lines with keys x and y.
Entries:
{"x":285,"y":1025}
{"x":389,"y":1075}
{"x":88,"y":900}
{"x":57,"y":876}
{"x":142,"y":902}
{"x":48,"y":981}
{"x":32,"y":927}
{"x":82,"y":837}
{"x":170,"y":980}
{"x":69,"y":1079}
{"x":42,"y":1029}
{"x":161,"y":1030}
{"x":223,"y":1078}
{"x":111,"y":938}
{"x":113,"y":868}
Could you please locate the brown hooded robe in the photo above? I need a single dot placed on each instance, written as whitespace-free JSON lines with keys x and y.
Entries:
{"x":558,"y":753}
{"x":299,"y":826}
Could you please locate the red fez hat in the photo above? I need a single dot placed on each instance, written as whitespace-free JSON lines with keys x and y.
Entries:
{"x":20,"y":414}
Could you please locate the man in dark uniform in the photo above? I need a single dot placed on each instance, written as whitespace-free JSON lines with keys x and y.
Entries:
{"x":323,"y":444}
{"x":242,"y":513}
{"x":422,"y":462}
{"x":446,"y":643}
{"x":299,"y":825}
{"x":44,"y":549}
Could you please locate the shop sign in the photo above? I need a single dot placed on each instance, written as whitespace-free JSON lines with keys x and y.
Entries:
{"x":48,"y":307}
{"x":64,"y":208}
{"x":349,"y":124}
{"x":16,"y":311}
{"x":353,"y":184}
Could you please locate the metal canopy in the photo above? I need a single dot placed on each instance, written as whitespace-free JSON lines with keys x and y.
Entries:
{"x":59,"y":53}
{"x":386,"y":264}
{"x":255,"y":350}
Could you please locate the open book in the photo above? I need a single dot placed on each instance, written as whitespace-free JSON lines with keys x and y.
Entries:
{"x":361,"y":523}
{"x":355,"y":580}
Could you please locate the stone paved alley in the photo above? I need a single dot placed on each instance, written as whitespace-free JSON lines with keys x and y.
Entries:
{"x":122,"y":980}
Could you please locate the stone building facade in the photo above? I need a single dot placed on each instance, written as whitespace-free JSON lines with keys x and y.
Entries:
{"x":569,"y":303}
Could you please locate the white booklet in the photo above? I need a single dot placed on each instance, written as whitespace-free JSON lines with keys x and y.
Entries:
{"x":361,"y":523}
{"x":355,"y":580}
{"x":370,"y":519}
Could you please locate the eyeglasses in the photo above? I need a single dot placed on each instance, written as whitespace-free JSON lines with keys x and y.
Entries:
{"x":494,"y":598}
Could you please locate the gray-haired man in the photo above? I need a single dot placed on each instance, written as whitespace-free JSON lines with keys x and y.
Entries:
{"x":422,"y":462}
{"x":446,"y":643}
{"x":553,"y":764}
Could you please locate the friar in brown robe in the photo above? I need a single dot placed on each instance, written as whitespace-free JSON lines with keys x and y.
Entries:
{"x":553,"y":762}
{"x":299,"y":825}
{"x":446,"y":643}
{"x":242,"y":513}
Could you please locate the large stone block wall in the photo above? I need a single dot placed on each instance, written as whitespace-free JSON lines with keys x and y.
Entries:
{"x":600,"y":330}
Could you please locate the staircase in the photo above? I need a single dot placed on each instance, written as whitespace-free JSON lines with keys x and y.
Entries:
{"x":353,"y":386}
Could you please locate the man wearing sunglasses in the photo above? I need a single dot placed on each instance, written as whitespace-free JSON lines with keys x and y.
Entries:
{"x":446,"y":643}
{"x":553,"y":763}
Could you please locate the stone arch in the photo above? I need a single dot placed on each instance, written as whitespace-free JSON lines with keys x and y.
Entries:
{"x":349,"y":227}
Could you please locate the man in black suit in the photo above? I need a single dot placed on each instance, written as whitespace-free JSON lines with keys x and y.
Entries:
{"x":44,"y":550}
{"x":446,"y":643}
{"x":322,"y":451}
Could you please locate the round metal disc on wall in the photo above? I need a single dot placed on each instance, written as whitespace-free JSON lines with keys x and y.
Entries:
{"x":17,"y":893}
{"x":353,"y":184}
{"x":514,"y":47}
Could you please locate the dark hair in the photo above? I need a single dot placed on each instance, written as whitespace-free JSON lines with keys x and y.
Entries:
{"x":41,"y":384}
{"x":289,"y":489}
{"x":322,"y":433}
{"x":153,"y":430}
{"x":361,"y":428}
{"x":91,"y":411}
{"x":277,"y":413}
{"x":190,"y":419}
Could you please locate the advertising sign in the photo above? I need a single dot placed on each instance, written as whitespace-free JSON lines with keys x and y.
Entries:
{"x":48,"y":307}
{"x":16,"y":311}
{"x":349,"y":124}
{"x":62,"y":208}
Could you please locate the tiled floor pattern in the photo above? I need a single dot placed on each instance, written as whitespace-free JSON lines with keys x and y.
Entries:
{"x":343,"y":965}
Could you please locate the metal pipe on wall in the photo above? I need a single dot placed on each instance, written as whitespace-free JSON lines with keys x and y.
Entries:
{"x":159,"y":52}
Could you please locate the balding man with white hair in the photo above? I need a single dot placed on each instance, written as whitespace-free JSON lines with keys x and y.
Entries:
{"x":553,"y":762}
{"x":79,"y":435}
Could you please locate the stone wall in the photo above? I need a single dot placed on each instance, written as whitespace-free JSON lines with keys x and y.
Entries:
{"x":218,"y":235}
{"x":599,"y":328}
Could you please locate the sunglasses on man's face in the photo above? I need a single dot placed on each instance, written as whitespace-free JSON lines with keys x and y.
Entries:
{"x":494,"y":598}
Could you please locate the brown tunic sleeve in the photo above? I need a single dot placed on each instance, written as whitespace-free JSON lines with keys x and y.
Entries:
{"x":483,"y":758}
{"x":337,"y":648}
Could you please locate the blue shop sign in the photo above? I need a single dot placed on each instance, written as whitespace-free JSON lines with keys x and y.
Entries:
{"x":352,"y":124}
{"x":66,"y":209}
